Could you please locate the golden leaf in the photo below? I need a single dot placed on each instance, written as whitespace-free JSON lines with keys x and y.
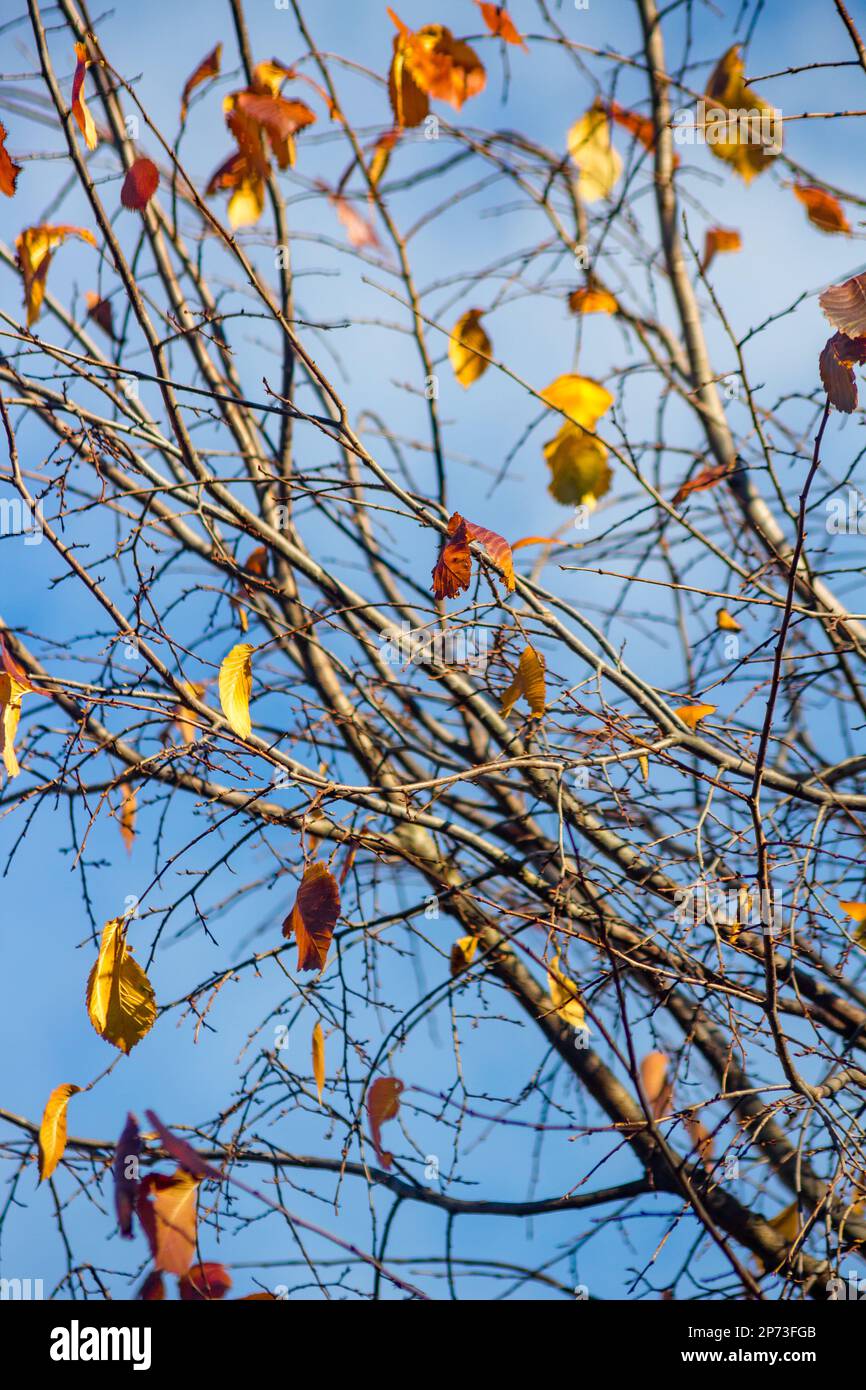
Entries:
{"x":725,"y":622}
{"x":583,"y":400}
{"x":786,"y":1223}
{"x":128,"y":807}
{"x":10,"y":713}
{"x":739,"y":126}
{"x":587,"y":301}
{"x":822,"y":209}
{"x":599,"y":163}
{"x":236,"y":685}
{"x":565,"y":995}
{"x":35,"y":247}
{"x":319,"y":1059}
{"x":466,"y":345}
{"x":693,"y":714}
{"x":529,"y":682}
{"x":52,"y":1131}
{"x":579,"y":471}
{"x":463,"y":953}
{"x":80,"y":110}
{"x":643,"y":764}
{"x":120,"y":1000}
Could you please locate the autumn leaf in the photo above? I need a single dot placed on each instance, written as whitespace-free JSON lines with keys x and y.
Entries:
{"x":707,"y":478}
{"x":10,"y":713}
{"x":125,"y":1170}
{"x":565,"y":996}
{"x":153,"y":1288}
{"x":9,"y":170}
{"x":120,"y":1000}
{"x":719,"y":239}
{"x":381,"y":155}
{"x":589,"y":301}
{"x":80,"y":110}
{"x":101,"y":312}
{"x":207,"y":68}
{"x":599,"y":164}
{"x":35,"y":247}
{"x":436,"y":65}
{"x":857,"y":912}
{"x":383,"y":1103}
{"x":453,"y":570}
{"x":319,"y":1059}
{"x":166,"y":1207}
{"x":700,"y":1136}
{"x":822,"y":209}
{"x":359,"y":230}
{"x":657,"y":1089}
{"x":498,"y":550}
{"x":469,"y":348}
{"x":839,"y":356}
{"x":463,"y":954}
{"x":693,"y":714}
{"x":845,"y":306}
{"x":235,"y":686}
{"x":786,"y":1223}
{"x":52,"y":1130}
{"x":500,"y":24}
{"x":740,"y":126}
{"x":725,"y":622}
{"x":528,"y":682}
{"x":204,"y":1282}
{"x":247,"y":186}
{"x":181,"y":1151}
{"x":128,"y":807}
{"x":641,"y":127}
{"x":579,"y":471}
{"x":140,"y":184}
{"x":314,"y":916}
{"x":183,"y":717}
{"x":580,"y":398}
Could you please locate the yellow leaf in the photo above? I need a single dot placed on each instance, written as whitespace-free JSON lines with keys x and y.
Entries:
{"x":468,"y":340}
{"x":857,"y":913}
{"x":529,"y":682}
{"x":590,"y":149}
{"x":128,"y":807}
{"x":10,"y":713}
{"x":319,"y":1059}
{"x":643,"y":763}
{"x":247,"y":202}
{"x":463,"y":953}
{"x":579,"y":471}
{"x":79,"y":107}
{"x":564,"y":995}
{"x":693,"y":714}
{"x":726,"y":622}
{"x":52,"y":1131}
{"x":786,"y":1223}
{"x":579,"y":397}
{"x":586,"y":301}
{"x":120,"y":1001}
{"x":740,"y":127}
{"x":35,"y":247}
{"x":236,"y":685}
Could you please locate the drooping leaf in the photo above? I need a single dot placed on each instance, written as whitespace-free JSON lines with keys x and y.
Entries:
{"x":707,"y":478}
{"x":498,"y":550}
{"x":590,"y":147}
{"x":183,"y":717}
{"x":822,"y":208}
{"x":590,"y":301}
{"x":469,"y":348}
{"x":314,"y":916}
{"x":9,"y":170}
{"x":845,"y":306}
{"x":35,"y":247}
{"x":641,"y":127}
{"x":740,"y":126}
{"x":383,"y":1103}
{"x":381,"y":156}
{"x":719,"y":239}
{"x":656,"y":1085}
{"x":528,"y":682}
{"x":128,"y":809}
{"x":120,"y":1000}
{"x":579,"y":471}
{"x":453,"y":570}
{"x":500,"y":24}
{"x":463,"y":954}
{"x":836,"y":364}
{"x":207,"y":68}
{"x":319,"y":1059}
{"x":204,"y":1282}
{"x":10,"y":713}
{"x":140,"y":184}
{"x":236,"y":686}
{"x":80,"y":109}
{"x":101,"y":312}
{"x":693,"y":714}
{"x":166,"y":1207}
{"x":181,"y":1151}
{"x":565,"y":995}
{"x":52,"y":1130}
{"x":125,"y":1170}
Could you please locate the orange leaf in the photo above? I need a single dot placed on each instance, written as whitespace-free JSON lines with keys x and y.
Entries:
{"x":101,"y":312}
{"x":35,"y":247}
{"x":529,"y":682}
{"x":453,"y":570}
{"x":12,"y":669}
{"x":586,"y":301}
{"x":166,"y":1208}
{"x":822,"y":209}
{"x":700,"y":1137}
{"x":319,"y":1058}
{"x":153,"y":1288}
{"x":9,"y":170}
{"x":431,"y":63}
{"x":533,"y":540}
{"x":383,"y":1103}
{"x":641,"y":127}
{"x":498,"y":550}
{"x":845,"y":305}
{"x":205,"y":1282}
{"x":703,"y":481}
{"x":128,"y":807}
{"x":500,"y":24}
{"x":719,"y":239}
{"x":693,"y":714}
{"x":80,"y":110}
{"x":208,"y":67}
{"x":656,"y":1086}
{"x":314,"y":916}
{"x":140,"y":184}
{"x":838,"y":358}
{"x":360,"y":232}
{"x":52,"y":1131}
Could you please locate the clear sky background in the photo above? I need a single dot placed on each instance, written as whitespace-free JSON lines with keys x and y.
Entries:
{"x":47,"y":943}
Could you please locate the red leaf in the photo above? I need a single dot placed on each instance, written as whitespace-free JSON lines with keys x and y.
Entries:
{"x":204,"y":1282}
{"x":453,"y":570}
{"x":181,"y":1151}
{"x":314,"y":916}
{"x":140,"y":184}
{"x":707,"y":478}
{"x":208,"y":67}
{"x":9,"y":170}
{"x":836,"y":363}
{"x":383,"y":1103}
{"x":153,"y":1288}
{"x":125,"y":1170}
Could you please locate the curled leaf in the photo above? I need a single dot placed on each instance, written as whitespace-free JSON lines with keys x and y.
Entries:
{"x":565,"y":996}
{"x":453,"y":570}
{"x":845,"y":305}
{"x":589,"y":301}
{"x":719,"y":239}
{"x":500,"y":24}
{"x":469,"y":348}
{"x":207,"y":68}
{"x":128,"y":808}
{"x":125,"y":1170}
{"x":528,"y":682}
{"x":80,"y":109}
{"x":204,"y":1282}
{"x":726,"y":623}
{"x":52,"y":1130}
{"x":314,"y":916}
{"x":35,"y":247}
{"x":101,"y":312}
{"x":839,"y":356}
{"x":707,"y":478}
{"x":463,"y":954}
{"x":319,"y":1059}
{"x":9,"y":170}
{"x":740,"y":127}
{"x":693,"y":714}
